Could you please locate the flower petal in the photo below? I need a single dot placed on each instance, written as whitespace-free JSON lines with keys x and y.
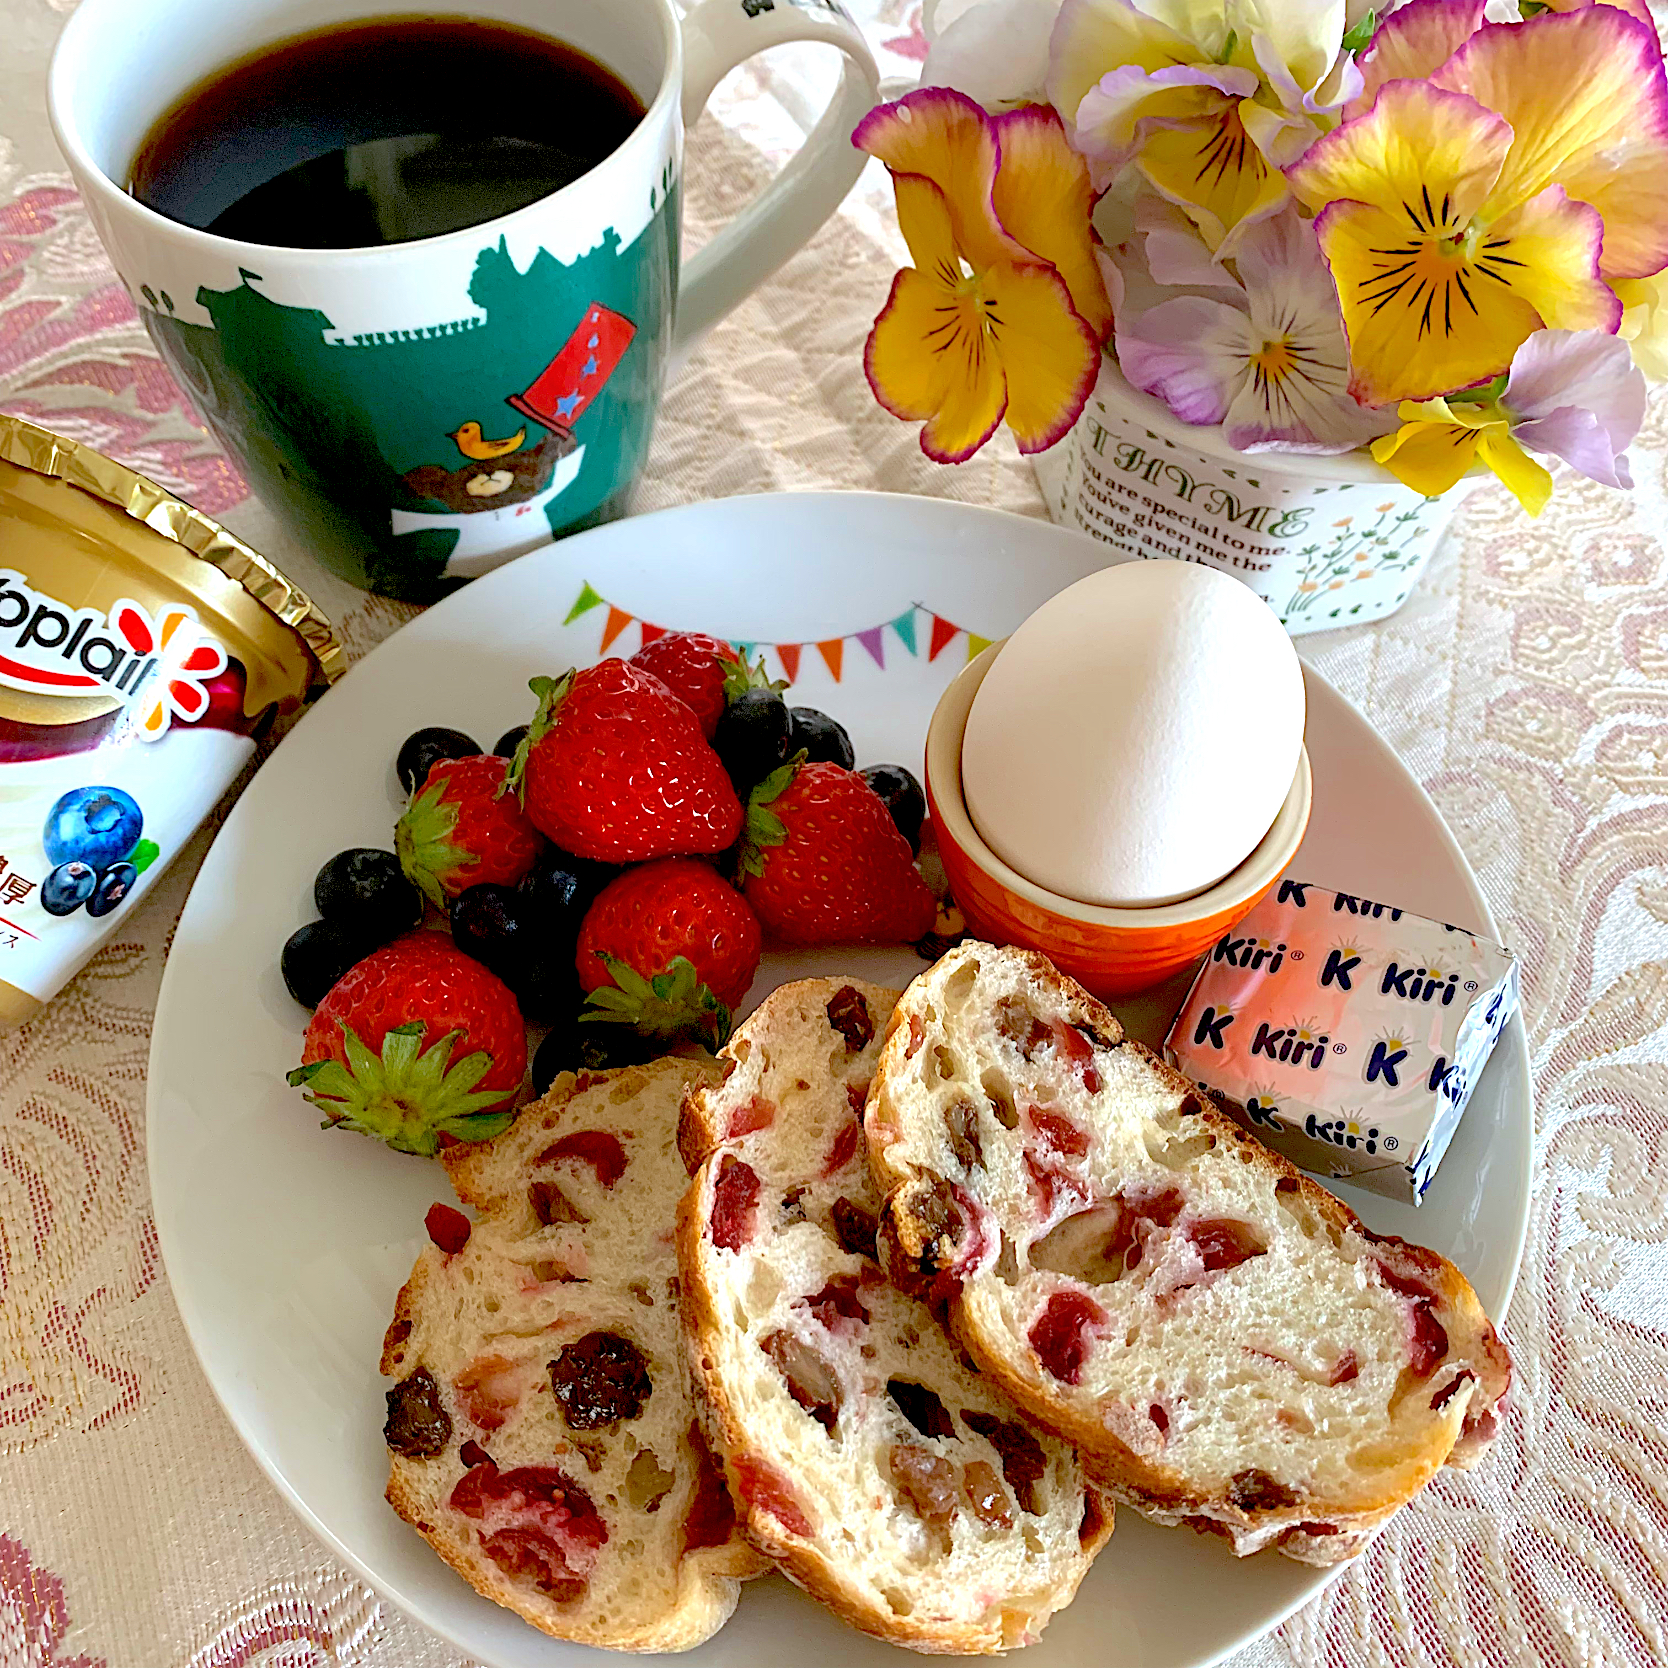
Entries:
{"x":1587,"y":101}
{"x":926,"y":361}
{"x":1044,"y":200}
{"x":1521,"y":476}
{"x":943,"y":136}
{"x":996,"y":52}
{"x":1555,"y":243}
{"x":1093,"y":37}
{"x":1193,"y":353}
{"x":1296,"y":39}
{"x":1419,"y":152}
{"x":1645,"y":321}
{"x":1106,"y":125}
{"x":1428,"y":457}
{"x":1413,"y":43}
{"x":1213,"y":171}
{"x":1175,"y":253}
{"x":1416,"y":326}
{"x":1050,"y":357}
{"x":1577,"y":436}
{"x":1585,"y":368}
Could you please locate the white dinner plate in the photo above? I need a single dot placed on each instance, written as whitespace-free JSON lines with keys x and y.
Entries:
{"x":286,"y":1244}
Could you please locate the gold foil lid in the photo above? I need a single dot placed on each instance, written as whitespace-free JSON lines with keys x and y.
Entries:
{"x":31,"y":447}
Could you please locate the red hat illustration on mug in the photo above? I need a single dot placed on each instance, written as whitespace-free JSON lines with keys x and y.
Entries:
{"x":568,"y":384}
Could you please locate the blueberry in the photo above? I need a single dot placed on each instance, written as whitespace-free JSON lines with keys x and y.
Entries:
{"x":821,"y":737}
{"x":559,"y":888}
{"x":68,"y":887}
{"x":422,"y":750}
{"x":508,"y":744}
{"x":903,"y":797}
{"x":113,"y":886}
{"x":752,"y":737}
{"x":489,"y":923}
{"x":315,"y":957}
{"x":574,"y":1046}
{"x":95,"y":826}
{"x":363,"y":894}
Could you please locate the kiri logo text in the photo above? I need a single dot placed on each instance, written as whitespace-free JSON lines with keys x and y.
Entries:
{"x":1255,"y":954}
{"x":1419,"y":984}
{"x":1291,"y":1045}
{"x":1347,"y":1133}
{"x":1344,"y":904}
{"x":154,"y":664}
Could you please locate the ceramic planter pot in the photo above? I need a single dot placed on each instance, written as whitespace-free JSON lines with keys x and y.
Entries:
{"x":1325,"y":541}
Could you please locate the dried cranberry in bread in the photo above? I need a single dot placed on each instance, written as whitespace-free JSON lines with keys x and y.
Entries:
{"x":1222,"y":1339}
{"x":541,"y":1433}
{"x":866,"y":1457}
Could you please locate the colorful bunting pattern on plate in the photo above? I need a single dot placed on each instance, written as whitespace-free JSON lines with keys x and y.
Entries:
{"x":904,"y":629}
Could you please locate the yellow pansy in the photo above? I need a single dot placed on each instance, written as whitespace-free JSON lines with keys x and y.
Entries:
{"x":1437,"y":443}
{"x":1002,"y":315}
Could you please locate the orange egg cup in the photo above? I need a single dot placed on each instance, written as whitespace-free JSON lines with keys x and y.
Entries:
{"x":1112,"y":952}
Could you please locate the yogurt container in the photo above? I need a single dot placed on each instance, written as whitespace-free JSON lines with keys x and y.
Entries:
{"x":143,"y":650}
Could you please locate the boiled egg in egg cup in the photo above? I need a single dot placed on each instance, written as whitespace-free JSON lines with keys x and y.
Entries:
{"x":1122,"y":779}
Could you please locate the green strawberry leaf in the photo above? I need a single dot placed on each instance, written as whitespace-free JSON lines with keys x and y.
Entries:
{"x":552,"y":692}
{"x":762,"y":828}
{"x":739,"y":677}
{"x":409,"y":1094}
{"x":670,"y":1006}
{"x":423,"y":843}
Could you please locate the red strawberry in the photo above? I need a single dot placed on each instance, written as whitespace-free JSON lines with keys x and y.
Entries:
{"x":461,"y":829}
{"x":705,"y":673}
{"x":644,"y":919}
{"x":823,"y":862}
{"x":379,"y":1055}
{"x":615,"y":768}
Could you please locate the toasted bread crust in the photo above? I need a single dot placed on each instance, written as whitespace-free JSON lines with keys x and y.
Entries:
{"x":1322,"y":1526}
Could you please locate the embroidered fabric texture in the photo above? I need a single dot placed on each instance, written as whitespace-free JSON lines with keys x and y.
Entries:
{"x":1526,"y":684}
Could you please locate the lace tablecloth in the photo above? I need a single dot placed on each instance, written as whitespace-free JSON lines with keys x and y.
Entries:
{"x":1526,"y":684}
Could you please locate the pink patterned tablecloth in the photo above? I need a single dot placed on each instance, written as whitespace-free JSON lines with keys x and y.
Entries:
{"x":1526,"y":684}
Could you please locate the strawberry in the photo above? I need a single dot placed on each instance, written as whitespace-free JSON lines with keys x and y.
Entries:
{"x":614,"y":767}
{"x":705,"y":673}
{"x":823,"y":863}
{"x":379,"y":1052}
{"x":646,"y":918}
{"x":462,"y":829}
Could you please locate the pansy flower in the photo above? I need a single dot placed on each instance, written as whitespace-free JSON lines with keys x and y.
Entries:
{"x":1208,"y":101}
{"x":1461,"y":214}
{"x":1270,"y":363}
{"x":1002,"y":315}
{"x":1574,"y":395}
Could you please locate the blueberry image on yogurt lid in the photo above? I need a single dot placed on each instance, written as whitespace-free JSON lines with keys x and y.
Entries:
{"x":97,"y":826}
{"x":68,"y":887}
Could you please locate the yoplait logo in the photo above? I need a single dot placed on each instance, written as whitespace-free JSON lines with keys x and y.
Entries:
{"x":157,"y":665}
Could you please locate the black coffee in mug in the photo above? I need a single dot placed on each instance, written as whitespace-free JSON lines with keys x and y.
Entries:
{"x":381,"y":132}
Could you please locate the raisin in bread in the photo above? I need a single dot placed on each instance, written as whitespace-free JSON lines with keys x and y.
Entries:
{"x":883,"y":1474}
{"x":542,"y":1435}
{"x":1221,"y":1338}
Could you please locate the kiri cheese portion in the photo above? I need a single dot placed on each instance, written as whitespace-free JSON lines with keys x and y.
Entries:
{"x":1346,"y":1034}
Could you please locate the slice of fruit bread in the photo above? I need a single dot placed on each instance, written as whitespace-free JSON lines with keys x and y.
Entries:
{"x":866,"y":1457}
{"x":1222,"y":1339}
{"x":542,"y":1435}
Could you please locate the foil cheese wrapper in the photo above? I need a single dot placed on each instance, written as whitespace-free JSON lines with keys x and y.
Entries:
{"x":143,"y":649}
{"x":1346,"y":1034}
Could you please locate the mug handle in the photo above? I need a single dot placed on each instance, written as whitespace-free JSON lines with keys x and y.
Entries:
{"x":718,"y":35}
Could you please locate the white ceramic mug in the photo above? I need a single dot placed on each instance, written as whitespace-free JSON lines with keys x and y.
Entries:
{"x":339,"y":378}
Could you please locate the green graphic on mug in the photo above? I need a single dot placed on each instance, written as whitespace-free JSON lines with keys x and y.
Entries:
{"x":426,"y":455}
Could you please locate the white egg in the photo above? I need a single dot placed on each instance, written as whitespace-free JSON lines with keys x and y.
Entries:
{"x":1134,"y":739}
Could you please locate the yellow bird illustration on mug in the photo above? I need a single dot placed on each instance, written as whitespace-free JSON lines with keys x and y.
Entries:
{"x":473,"y":445}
